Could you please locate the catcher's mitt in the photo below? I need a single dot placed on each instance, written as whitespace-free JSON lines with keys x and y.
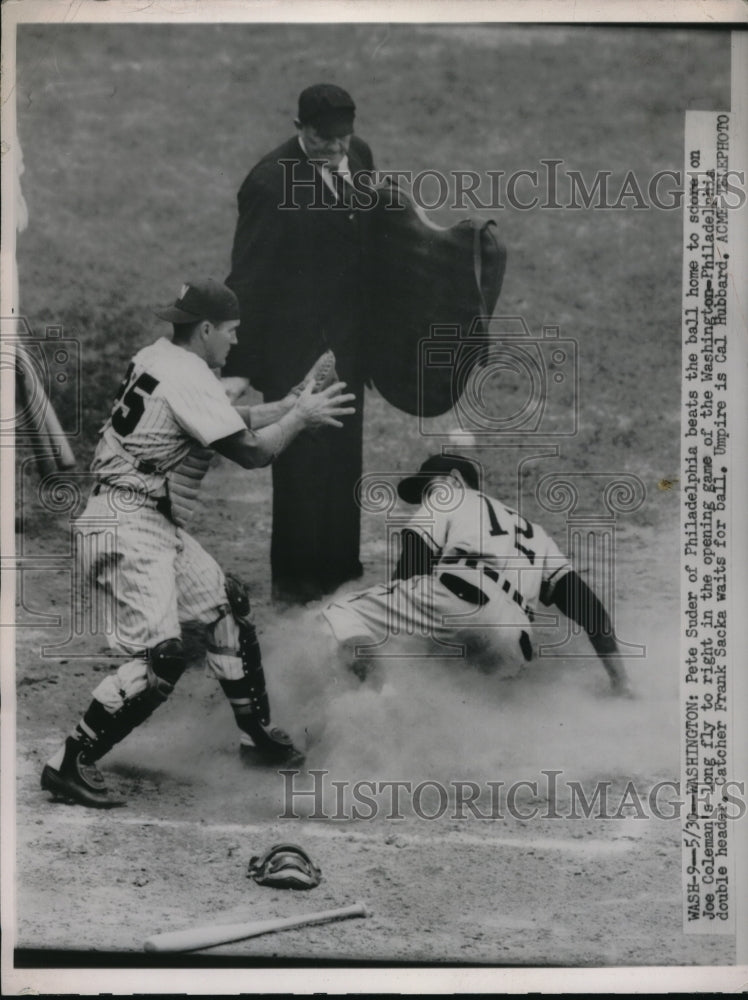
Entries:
{"x":322,"y":374}
{"x":285,"y":866}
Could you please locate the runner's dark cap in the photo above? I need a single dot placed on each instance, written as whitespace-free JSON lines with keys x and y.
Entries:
{"x":199,"y":300}
{"x":411,"y":488}
{"x":328,"y":108}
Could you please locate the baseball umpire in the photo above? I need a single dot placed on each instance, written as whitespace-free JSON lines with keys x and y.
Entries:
{"x":171,"y":602}
{"x":298,"y":269}
{"x":471,"y":571}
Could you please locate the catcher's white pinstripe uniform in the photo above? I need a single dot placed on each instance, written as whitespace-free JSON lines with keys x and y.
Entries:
{"x":158,"y":576}
{"x":168,"y":399}
{"x":491,"y":569}
{"x":170,"y":602}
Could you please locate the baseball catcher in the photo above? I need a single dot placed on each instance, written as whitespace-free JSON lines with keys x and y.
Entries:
{"x":169,"y":601}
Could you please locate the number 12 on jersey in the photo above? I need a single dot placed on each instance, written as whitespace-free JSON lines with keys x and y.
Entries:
{"x":521,"y":527}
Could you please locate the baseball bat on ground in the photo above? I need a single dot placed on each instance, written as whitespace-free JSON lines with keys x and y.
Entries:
{"x":195,"y":938}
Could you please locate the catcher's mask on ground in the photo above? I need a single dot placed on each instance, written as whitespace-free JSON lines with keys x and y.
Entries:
{"x":411,"y":488}
{"x":285,"y":866}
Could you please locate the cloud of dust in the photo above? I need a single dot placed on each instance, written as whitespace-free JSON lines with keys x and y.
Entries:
{"x":432,"y":719}
{"x":444,"y":720}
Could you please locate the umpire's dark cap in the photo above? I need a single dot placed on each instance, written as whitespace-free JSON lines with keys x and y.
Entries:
{"x":199,"y":300}
{"x":328,"y":108}
{"x":411,"y":488}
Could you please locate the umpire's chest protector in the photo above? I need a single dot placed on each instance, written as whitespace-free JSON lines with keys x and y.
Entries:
{"x":430,"y":289}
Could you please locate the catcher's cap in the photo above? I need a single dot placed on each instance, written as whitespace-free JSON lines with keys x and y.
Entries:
{"x":204,"y":299}
{"x":328,"y":108}
{"x":411,"y":488}
{"x":285,"y":866}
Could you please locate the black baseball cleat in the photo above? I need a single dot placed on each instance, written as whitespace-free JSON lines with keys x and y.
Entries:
{"x":78,"y":780}
{"x":271,"y":746}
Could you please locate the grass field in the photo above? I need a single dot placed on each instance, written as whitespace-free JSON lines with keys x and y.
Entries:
{"x":135,"y":141}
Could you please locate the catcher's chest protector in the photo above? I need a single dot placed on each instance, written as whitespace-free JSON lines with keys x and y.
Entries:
{"x":183,"y":484}
{"x":429,"y":289}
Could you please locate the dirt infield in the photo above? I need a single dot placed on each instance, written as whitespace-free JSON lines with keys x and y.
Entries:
{"x":130,"y":179}
{"x":459,"y":888}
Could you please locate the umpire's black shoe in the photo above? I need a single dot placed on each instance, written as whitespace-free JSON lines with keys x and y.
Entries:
{"x":270,"y":746}
{"x":78,"y":779}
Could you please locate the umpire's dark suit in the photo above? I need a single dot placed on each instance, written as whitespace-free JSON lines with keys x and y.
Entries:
{"x":299,"y":277}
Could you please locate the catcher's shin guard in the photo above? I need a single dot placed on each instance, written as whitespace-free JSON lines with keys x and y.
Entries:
{"x":248,"y":694}
{"x":103,"y":729}
{"x":74,"y":775}
{"x":249,"y":701}
{"x":254,"y":684}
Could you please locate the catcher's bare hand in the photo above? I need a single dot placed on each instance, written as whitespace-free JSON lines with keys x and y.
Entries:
{"x":318,"y":408}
